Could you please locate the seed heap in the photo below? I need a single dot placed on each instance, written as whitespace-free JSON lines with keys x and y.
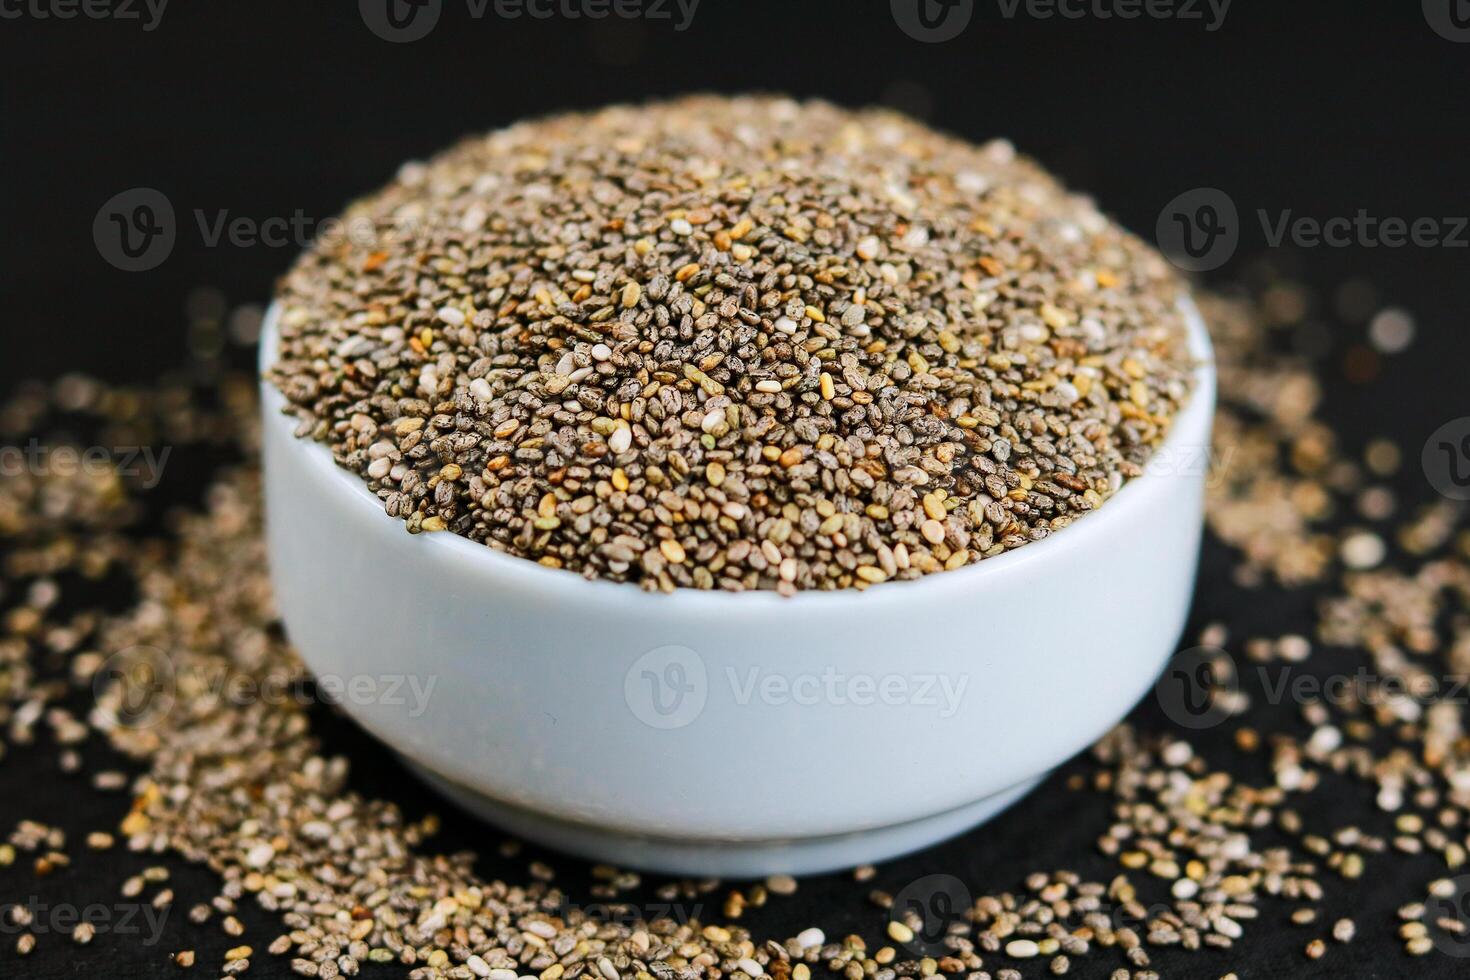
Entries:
{"x":734,"y":344}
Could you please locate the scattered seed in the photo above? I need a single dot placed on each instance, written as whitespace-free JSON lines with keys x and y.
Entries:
{"x":1022,"y":949}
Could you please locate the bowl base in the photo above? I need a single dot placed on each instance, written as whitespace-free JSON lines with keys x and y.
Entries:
{"x":725,"y":859}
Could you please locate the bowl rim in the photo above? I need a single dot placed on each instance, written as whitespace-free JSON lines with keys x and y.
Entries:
{"x":488,"y":564}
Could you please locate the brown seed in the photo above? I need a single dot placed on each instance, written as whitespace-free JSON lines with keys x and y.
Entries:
{"x":781,"y":885}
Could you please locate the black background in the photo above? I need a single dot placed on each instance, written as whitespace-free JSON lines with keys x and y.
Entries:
{"x":269,"y":110}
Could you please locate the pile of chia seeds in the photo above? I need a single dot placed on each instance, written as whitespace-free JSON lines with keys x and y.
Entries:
{"x":734,"y":344}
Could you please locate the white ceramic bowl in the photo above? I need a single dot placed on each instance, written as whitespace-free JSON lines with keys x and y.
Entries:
{"x":733,"y":734}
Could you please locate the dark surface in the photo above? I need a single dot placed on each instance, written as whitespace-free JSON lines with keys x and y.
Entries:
{"x":263,"y":109}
